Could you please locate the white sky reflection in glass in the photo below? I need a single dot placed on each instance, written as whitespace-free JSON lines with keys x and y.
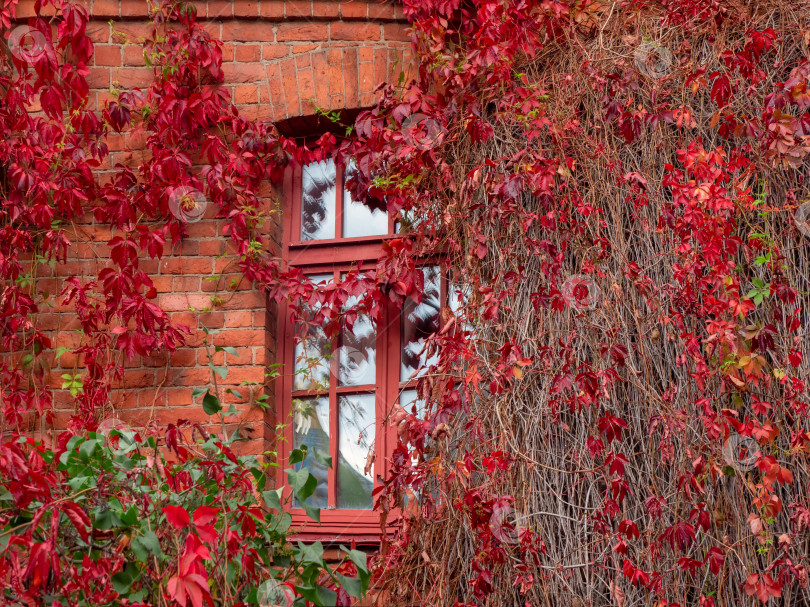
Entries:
{"x":358,"y":219}
{"x":358,"y":351}
{"x":419,"y":321}
{"x":356,"y":437}
{"x":318,"y":200}
{"x":311,"y":428}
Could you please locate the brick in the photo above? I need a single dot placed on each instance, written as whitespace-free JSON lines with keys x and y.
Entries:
{"x":220,"y":9}
{"x":243,"y":301}
{"x":248,"y":93}
{"x":354,"y":31}
{"x":325,"y":8}
{"x":130,"y":33}
{"x":134,"y":8}
{"x":238,"y":72}
{"x":366,"y":78}
{"x":247,"y":53}
{"x":98,"y":78}
{"x":297,"y":49}
{"x":320,"y":72}
{"x":136,"y":77}
{"x":241,"y":318}
{"x":299,"y":8}
{"x":306,"y":91}
{"x":107,"y":55}
{"x":381,"y":11}
{"x":184,"y":284}
{"x":350,"y":77}
{"x":185,"y":357}
{"x":133,"y":55}
{"x":106,"y":8}
{"x":307,"y":32}
{"x":288,"y":78}
{"x":246,"y":32}
{"x":186,"y":266}
{"x":396,"y":32}
{"x":354,"y":9}
{"x":380,"y":66}
{"x":335,"y":79}
{"x":245,"y":8}
{"x":272,"y":9}
{"x":274,"y":51}
{"x":211,"y":247}
{"x":240,"y":338}
{"x":143,"y":378}
{"x":276,"y":90}
{"x":228,"y":52}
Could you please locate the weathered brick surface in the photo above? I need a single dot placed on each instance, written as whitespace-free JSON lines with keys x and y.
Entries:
{"x":281,"y":60}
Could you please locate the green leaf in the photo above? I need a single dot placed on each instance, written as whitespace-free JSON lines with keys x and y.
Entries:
{"x":236,"y":393}
{"x":311,"y":553}
{"x":221,"y":371}
{"x":198,"y":392}
{"x":352,"y":585}
{"x":302,"y":483}
{"x":146,"y":544}
{"x":211,"y":404}
{"x":357,"y":557}
{"x":107,"y":519}
{"x":125,"y":578}
{"x":88,"y":448}
{"x":297,"y":455}
{"x":273,"y":498}
{"x":312,"y":512}
{"x":228,"y":349}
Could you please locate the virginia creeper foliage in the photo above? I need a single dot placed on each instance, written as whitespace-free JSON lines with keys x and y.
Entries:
{"x":617,"y":411}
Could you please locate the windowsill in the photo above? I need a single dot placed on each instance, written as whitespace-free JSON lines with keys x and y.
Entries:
{"x":339,"y":527}
{"x":332,"y":242}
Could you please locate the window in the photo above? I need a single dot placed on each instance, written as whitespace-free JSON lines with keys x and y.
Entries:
{"x":338,"y":399}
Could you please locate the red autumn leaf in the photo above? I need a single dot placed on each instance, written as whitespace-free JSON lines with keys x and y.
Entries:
{"x":205,"y":515}
{"x":177,"y":516}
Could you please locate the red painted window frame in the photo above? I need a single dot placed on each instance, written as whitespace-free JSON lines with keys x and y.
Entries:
{"x":324,"y":256}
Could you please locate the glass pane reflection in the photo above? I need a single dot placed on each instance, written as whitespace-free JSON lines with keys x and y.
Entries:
{"x":420,"y":321}
{"x":356,"y":438}
{"x":312,"y":353}
{"x":358,"y":219}
{"x":311,"y":428}
{"x":318,"y":196}
{"x":358,"y":351}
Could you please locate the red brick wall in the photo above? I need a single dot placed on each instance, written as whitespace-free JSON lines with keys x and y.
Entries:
{"x":282,"y":59}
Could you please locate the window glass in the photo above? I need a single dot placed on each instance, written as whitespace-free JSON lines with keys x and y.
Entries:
{"x":318,"y":199}
{"x":311,"y":429}
{"x":356,"y":437}
{"x":358,"y":351}
{"x":419,"y":321}
{"x":312,"y":353}
{"x":358,"y":219}
{"x":408,"y":399}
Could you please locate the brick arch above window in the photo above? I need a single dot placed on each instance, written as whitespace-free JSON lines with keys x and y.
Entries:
{"x":335,"y":78}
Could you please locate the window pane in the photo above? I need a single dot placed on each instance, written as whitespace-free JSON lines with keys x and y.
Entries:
{"x":419,"y":321}
{"x":311,"y":428}
{"x":356,"y":438}
{"x":408,"y":399}
{"x":358,"y":219}
{"x":312,"y":353}
{"x":318,"y":197}
{"x":358,"y":351}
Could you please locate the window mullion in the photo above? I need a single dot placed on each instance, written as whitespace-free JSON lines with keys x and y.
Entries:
{"x":334,"y":412}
